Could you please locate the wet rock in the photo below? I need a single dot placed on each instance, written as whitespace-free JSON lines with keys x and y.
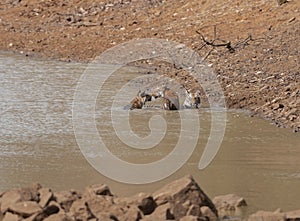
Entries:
{"x":184,"y":195}
{"x":25,"y":208}
{"x":10,"y":217}
{"x":229,"y":202}
{"x":66,"y":198}
{"x":96,"y":190}
{"x":293,"y":215}
{"x":267,"y":216}
{"x":45,"y":195}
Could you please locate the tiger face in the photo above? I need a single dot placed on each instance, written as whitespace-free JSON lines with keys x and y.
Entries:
{"x":192,"y":99}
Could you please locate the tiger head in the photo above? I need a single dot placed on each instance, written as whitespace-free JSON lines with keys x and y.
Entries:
{"x":192,"y":99}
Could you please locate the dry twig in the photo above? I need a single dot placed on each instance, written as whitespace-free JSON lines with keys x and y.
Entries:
{"x":227,"y":44}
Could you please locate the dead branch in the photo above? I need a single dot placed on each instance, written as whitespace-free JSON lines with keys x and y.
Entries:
{"x":217,"y":42}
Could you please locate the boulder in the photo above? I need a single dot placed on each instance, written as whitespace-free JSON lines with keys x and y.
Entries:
{"x":193,"y":218}
{"x":58,"y":217}
{"x":45,"y":194}
{"x":293,"y":215}
{"x":52,"y":208}
{"x":267,"y":216}
{"x":25,"y":208}
{"x":206,"y":212}
{"x":96,"y":190}
{"x":9,"y":198}
{"x":104,"y":206}
{"x":79,"y":210}
{"x":66,"y":198}
{"x":162,"y":212}
{"x":131,"y":214}
{"x":143,"y":201}
{"x":17,"y":195}
{"x":29,"y":194}
{"x":10,"y":217}
{"x":49,"y":210}
{"x":229,"y":202}
{"x":98,"y":205}
{"x":184,"y":196}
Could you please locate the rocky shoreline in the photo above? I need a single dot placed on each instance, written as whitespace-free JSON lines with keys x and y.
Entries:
{"x":181,"y":200}
{"x":259,"y":73}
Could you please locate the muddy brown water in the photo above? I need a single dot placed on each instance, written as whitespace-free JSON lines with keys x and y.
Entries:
{"x":256,"y":160}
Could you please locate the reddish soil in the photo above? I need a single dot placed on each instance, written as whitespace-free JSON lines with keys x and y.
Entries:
{"x":261,"y":74}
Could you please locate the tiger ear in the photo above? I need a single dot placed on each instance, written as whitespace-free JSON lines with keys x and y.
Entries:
{"x":143,"y":94}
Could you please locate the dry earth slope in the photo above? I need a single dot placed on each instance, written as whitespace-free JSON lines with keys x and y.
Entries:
{"x":261,"y":74}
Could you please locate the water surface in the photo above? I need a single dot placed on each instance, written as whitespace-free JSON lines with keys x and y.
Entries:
{"x":37,"y":143}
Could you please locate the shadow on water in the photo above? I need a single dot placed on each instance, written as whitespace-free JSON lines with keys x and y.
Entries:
{"x":256,"y":160}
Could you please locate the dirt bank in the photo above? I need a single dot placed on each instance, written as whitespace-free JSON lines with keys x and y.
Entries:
{"x":259,"y":70}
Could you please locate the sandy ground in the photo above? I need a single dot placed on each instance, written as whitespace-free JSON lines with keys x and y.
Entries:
{"x":258,"y":72}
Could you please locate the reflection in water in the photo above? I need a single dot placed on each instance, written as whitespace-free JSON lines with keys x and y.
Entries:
{"x":257,"y":160}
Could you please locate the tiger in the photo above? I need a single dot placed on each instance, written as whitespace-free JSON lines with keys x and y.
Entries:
{"x":170,"y":99}
{"x":141,"y":98}
{"x":165,"y":98}
{"x":192,"y":99}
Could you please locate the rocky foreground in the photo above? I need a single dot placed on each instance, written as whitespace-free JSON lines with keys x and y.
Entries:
{"x":181,"y":200}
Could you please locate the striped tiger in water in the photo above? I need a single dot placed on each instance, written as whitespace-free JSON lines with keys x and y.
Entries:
{"x":192,"y":99}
